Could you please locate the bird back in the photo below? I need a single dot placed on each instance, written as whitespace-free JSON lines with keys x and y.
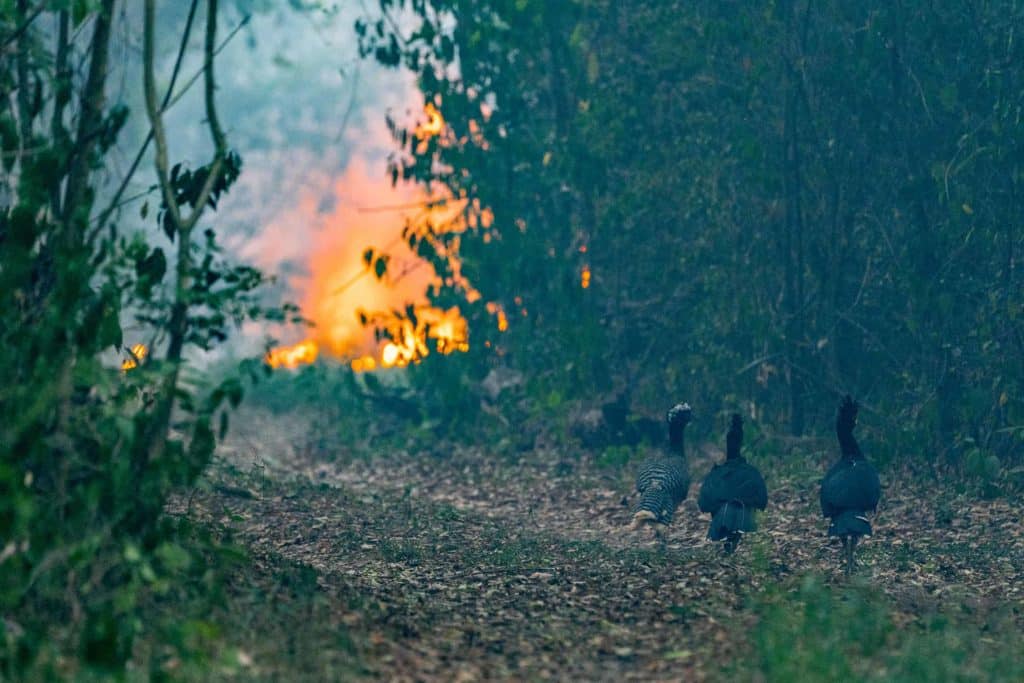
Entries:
{"x":667,"y":473}
{"x":733,"y":481}
{"x":850,"y":485}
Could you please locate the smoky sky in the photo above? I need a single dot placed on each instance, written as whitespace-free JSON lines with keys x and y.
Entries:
{"x":296,"y":102}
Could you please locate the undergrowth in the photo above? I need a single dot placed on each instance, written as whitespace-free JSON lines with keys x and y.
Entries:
{"x":810,"y":631}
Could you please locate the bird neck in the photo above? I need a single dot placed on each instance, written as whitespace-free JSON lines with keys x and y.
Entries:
{"x":848,"y":446}
{"x":676,"y":443}
{"x":732,"y":450}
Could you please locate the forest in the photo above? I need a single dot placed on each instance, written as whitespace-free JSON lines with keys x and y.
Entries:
{"x":462,"y":340}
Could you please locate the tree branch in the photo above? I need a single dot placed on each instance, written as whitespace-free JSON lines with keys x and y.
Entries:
{"x":116,"y":202}
{"x":155,"y":114}
{"x":177,"y":327}
{"x":62,"y":96}
{"x":26,"y":22}
{"x":91,"y":117}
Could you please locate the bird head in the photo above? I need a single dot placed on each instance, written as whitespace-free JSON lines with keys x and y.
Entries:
{"x":679,"y":414}
{"x":846,"y":419}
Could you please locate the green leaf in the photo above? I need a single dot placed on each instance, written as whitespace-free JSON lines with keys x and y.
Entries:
{"x":80,"y":9}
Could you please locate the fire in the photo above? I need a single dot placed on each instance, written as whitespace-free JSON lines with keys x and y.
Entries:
{"x":495,"y":309}
{"x":363,"y":265}
{"x":585,"y":277}
{"x":409,"y":342}
{"x":363,"y":364}
{"x":293,"y":356}
{"x":432,"y":126}
{"x":138,"y":353}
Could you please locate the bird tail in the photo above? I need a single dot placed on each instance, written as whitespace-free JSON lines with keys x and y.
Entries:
{"x":850,"y":523}
{"x":654,"y":507}
{"x":732,"y":519}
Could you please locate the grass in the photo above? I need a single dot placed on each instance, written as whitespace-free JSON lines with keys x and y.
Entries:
{"x":810,"y":631}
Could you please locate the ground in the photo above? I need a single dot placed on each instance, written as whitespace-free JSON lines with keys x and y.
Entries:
{"x":469,"y":566}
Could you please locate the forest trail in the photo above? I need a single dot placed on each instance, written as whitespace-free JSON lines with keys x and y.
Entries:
{"x":465,"y":567}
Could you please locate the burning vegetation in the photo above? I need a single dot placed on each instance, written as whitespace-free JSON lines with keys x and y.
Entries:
{"x":293,"y":356}
{"x":136,"y":355}
{"x":366,"y":291}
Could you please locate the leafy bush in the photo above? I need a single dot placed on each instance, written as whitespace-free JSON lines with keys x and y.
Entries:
{"x":95,"y":438}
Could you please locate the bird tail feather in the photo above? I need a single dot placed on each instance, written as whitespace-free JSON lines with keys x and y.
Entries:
{"x":850,"y":523}
{"x":730,"y":519}
{"x":654,"y":507}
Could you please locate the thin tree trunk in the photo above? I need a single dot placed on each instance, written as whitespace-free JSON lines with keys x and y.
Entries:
{"x":794,"y":241}
{"x":77,"y":199}
{"x":62,"y":96}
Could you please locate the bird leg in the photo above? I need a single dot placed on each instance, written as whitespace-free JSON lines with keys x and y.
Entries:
{"x":659,"y":536}
{"x":732,"y":542}
{"x":849,"y":543}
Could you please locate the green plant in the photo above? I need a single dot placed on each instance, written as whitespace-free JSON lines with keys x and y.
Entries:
{"x":91,"y":448}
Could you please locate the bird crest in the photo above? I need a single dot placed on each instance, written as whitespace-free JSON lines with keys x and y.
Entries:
{"x":681,"y":412}
{"x":846,"y":420}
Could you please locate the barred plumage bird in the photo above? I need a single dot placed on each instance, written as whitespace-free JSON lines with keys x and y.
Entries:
{"x":663,"y":481}
{"x":851,"y":488}
{"x":732,"y":492}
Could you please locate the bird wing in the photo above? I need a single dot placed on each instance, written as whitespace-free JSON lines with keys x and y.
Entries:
{"x":854,"y":486}
{"x":751,"y":487}
{"x":733,"y":481}
{"x":712,"y":490}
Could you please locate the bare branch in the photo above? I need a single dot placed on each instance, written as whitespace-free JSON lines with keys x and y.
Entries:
{"x":116,"y":202}
{"x":155,"y":115}
{"x":195,"y":77}
{"x":62,"y":96}
{"x":26,"y":22}
{"x":21,"y":59}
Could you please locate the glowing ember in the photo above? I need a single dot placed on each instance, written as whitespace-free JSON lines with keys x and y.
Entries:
{"x":390,"y":355}
{"x":433,"y":125}
{"x":363,"y":364}
{"x":138,"y":354}
{"x":293,"y":356}
{"x":585,"y":277}
{"x":496,"y":310}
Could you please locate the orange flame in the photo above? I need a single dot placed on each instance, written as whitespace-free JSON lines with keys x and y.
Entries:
{"x":293,"y":356}
{"x":138,"y":354}
{"x":364,"y":263}
{"x":432,"y":126}
{"x":408,"y":344}
{"x":363,"y":364}
{"x":495,"y":309}
{"x":585,"y":277}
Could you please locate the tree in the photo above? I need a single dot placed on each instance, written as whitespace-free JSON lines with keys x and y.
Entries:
{"x":87,"y":454}
{"x":778,"y":203}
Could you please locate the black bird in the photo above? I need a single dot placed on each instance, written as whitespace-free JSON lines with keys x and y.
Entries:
{"x":851,"y":488}
{"x":732,"y":492}
{"x":663,"y":482}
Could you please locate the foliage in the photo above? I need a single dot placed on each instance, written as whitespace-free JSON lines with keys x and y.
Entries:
{"x":90,"y":449}
{"x":777,"y":203}
{"x":815,"y":632}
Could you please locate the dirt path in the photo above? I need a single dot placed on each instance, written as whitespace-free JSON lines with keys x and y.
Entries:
{"x":468,"y":567}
